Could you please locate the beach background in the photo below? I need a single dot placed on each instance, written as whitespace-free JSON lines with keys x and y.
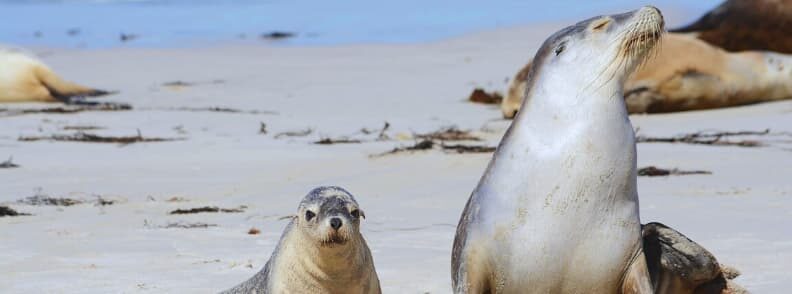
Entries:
{"x":245,"y":113}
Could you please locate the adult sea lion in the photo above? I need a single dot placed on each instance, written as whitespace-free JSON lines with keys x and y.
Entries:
{"x":321,"y":250}
{"x":689,"y":74}
{"x":557,"y":209}
{"x":26,"y":79}
{"x":743,"y":25}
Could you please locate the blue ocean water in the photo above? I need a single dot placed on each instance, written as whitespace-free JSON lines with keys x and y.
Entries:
{"x":176,"y":23}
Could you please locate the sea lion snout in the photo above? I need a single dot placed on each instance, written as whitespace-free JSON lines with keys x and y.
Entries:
{"x":335,"y":223}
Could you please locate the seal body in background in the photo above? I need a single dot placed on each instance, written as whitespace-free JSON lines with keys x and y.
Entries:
{"x":557,"y":209}
{"x":27,"y":79}
{"x":321,"y":251}
{"x":689,"y":74}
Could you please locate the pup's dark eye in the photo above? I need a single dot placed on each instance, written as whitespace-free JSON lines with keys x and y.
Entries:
{"x":560,"y":49}
{"x":356,"y":213}
{"x":309,"y":215}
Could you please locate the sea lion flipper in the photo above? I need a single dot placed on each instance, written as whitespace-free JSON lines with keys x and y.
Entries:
{"x":680,"y":265}
{"x":636,"y":279}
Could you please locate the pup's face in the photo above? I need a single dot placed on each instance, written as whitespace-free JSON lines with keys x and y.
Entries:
{"x":330,"y":216}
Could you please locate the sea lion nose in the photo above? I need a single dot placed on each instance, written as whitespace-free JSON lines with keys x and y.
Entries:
{"x":335,"y":223}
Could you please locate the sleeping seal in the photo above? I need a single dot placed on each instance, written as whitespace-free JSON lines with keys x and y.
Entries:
{"x":557,"y":209}
{"x":26,"y":79}
{"x":321,"y":250}
{"x":689,"y":74}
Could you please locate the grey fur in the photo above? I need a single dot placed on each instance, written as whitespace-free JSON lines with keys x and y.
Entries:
{"x":332,"y":201}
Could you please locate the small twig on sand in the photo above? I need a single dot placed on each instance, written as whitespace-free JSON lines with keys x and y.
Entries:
{"x":302,"y":133}
{"x":704,"y":138}
{"x":263,"y":128}
{"x":92,"y":138}
{"x":651,"y":171}
{"x":209,"y":209}
{"x":9,"y":163}
{"x":382,"y":136}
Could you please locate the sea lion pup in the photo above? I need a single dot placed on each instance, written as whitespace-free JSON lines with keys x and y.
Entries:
{"x":557,"y":209}
{"x":26,"y":79}
{"x":689,"y":74}
{"x":741,"y":25}
{"x":321,"y":250}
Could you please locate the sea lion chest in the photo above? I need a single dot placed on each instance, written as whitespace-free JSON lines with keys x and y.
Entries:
{"x":559,"y":204}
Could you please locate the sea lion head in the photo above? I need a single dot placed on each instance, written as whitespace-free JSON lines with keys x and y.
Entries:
{"x":330,"y":216}
{"x":597,"y":53}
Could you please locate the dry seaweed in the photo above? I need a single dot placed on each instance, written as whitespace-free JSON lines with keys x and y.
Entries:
{"x":651,"y":171}
{"x":421,"y":145}
{"x":254,"y":231}
{"x":82,"y":128}
{"x":92,"y":138}
{"x":215,"y":109}
{"x":183,"y":225}
{"x":480,"y":96}
{"x":212,"y":209}
{"x":188,"y":84}
{"x":708,"y":138}
{"x":468,"y":148}
{"x":8,"y":163}
{"x":448,"y":134}
{"x":66,"y":109}
{"x":44,"y":200}
{"x":330,"y":141}
{"x":7,"y":211}
{"x":301,"y":133}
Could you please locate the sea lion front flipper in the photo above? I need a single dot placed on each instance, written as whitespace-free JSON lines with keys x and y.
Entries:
{"x":679,"y":265}
{"x":636,"y":279}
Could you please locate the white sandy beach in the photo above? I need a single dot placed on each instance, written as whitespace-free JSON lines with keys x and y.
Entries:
{"x":742,"y":212}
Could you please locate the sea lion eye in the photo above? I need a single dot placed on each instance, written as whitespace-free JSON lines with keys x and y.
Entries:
{"x":560,"y":48}
{"x":355,"y":213}
{"x":309,"y":215}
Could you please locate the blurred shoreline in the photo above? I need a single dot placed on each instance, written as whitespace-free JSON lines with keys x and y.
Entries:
{"x":180,"y":24}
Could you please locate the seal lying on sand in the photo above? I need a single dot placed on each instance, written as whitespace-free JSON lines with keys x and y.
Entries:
{"x":689,"y":74}
{"x":557,"y":209}
{"x":26,"y":79}
{"x":741,"y":25}
{"x":320,"y":251}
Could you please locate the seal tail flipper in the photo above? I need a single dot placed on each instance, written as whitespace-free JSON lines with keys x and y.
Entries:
{"x":64,"y":90}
